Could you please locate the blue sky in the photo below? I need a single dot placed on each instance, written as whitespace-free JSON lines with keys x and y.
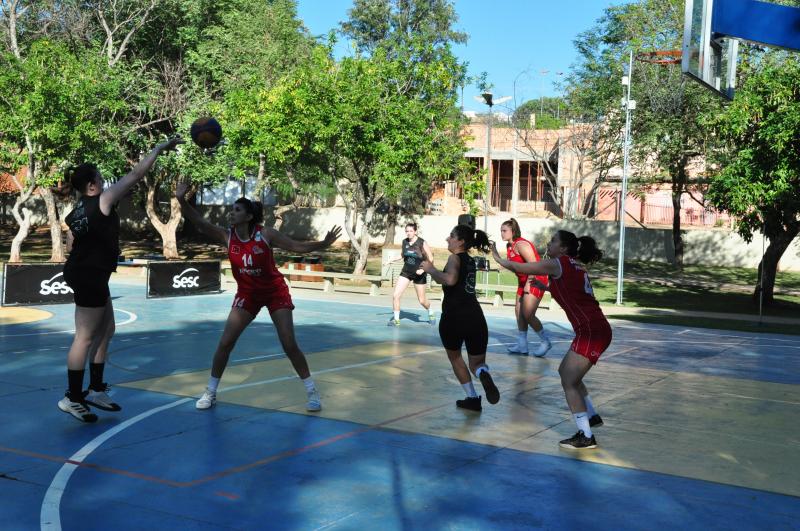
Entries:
{"x":509,"y":39}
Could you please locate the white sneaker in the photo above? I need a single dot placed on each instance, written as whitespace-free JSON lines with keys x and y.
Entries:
{"x":207,"y":401}
{"x":79,"y":410}
{"x":314,"y":401}
{"x":544,"y":346}
{"x":518,"y":350}
{"x":101,"y":399}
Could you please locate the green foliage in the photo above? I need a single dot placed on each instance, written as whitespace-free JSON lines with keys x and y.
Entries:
{"x":550,"y":118}
{"x":760,"y":156}
{"x":64,"y":103}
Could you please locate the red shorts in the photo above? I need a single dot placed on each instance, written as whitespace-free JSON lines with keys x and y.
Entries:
{"x":275,"y":298}
{"x":532,"y":289}
{"x":592,"y":342}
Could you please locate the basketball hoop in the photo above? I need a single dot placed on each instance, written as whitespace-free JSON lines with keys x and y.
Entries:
{"x":660,"y":57}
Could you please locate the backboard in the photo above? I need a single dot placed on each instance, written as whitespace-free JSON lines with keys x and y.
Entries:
{"x":708,"y":57}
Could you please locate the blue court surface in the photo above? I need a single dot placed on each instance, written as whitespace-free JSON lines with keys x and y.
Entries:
{"x":700,"y":429}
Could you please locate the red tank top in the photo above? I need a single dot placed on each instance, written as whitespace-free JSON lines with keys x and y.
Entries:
{"x":514,"y":256}
{"x":252,"y":262}
{"x":573,"y":292}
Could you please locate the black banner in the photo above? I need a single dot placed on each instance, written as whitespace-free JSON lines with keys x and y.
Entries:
{"x":173,"y":279}
{"x":35,"y":283}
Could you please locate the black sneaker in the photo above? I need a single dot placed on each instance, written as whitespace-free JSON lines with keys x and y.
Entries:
{"x":492,"y":394}
{"x":472,"y":403}
{"x":579,"y":441}
{"x":79,"y":410}
{"x":595,"y":421}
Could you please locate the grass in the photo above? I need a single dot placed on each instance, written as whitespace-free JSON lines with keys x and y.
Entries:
{"x":735,"y":298}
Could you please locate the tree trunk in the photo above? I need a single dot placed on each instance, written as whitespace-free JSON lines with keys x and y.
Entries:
{"x":21,"y":215}
{"x":169,"y":245}
{"x":777,"y":246}
{"x":278,"y":215}
{"x":56,"y":240}
{"x":677,"y":236}
{"x":363,"y":243}
{"x":391,"y":223}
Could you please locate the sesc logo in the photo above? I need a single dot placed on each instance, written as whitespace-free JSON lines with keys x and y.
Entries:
{"x":48,"y":287}
{"x":181,"y":281}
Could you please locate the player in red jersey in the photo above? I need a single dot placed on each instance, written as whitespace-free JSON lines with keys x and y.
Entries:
{"x":530,"y":290}
{"x":570,"y":287}
{"x":259,"y":284}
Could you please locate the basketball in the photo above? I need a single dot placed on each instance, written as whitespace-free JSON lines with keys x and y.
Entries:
{"x":206,"y":132}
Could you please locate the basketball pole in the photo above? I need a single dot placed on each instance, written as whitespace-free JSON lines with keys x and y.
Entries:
{"x":629,"y":105}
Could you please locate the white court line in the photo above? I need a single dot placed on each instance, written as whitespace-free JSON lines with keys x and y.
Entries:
{"x":50,"y":514}
{"x":762,"y":399}
{"x":131,"y":318}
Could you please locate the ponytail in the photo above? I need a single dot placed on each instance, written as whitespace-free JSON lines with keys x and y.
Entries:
{"x":584,"y":248}
{"x":473,"y":239}
{"x":514,"y":226}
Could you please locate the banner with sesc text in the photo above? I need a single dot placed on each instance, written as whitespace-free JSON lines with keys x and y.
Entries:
{"x":173,"y":279}
{"x":35,"y":283}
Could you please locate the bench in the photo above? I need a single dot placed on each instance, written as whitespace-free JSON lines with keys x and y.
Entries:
{"x":501,"y":289}
{"x":329,"y":276}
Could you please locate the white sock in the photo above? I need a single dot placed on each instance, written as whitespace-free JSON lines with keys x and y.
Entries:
{"x":589,"y":406}
{"x":397,"y":315}
{"x":582,"y":420}
{"x":309,"y":383}
{"x":522,"y":336}
{"x":469,"y":389}
{"x":480,"y":369}
{"x":431,"y":312}
{"x":213,"y":383}
{"x":543,"y":335}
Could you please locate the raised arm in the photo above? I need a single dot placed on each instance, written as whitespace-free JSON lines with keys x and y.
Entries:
{"x":117,"y":191}
{"x":215,"y":233}
{"x":277,"y":239}
{"x":448,"y":278}
{"x":544,"y":267}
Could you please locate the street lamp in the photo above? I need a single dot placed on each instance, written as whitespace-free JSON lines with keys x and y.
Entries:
{"x":486,"y":98}
{"x":629,"y":105}
{"x":541,"y":91}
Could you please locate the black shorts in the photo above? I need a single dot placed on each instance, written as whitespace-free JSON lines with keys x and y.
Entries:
{"x":470,"y":328}
{"x":90,"y":286}
{"x":414,"y":277}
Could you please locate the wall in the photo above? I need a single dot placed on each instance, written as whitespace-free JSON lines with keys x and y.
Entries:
{"x":702,"y":246}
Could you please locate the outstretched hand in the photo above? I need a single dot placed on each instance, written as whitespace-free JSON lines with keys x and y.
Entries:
{"x":170,"y":144}
{"x":495,"y":254}
{"x":333,"y":235}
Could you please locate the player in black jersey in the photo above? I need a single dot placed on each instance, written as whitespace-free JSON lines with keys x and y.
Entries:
{"x":462,"y":319}
{"x":414,"y":251}
{"x":93,"y":245}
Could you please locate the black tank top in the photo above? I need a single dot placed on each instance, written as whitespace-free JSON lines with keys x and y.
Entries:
{"x":96,"y":236}
{"x":461,"y":296}
{"x":413,"y":254}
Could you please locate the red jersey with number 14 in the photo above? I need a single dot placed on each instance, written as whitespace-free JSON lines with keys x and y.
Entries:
{"x":252,"y":262}
{"x":573,"y":292}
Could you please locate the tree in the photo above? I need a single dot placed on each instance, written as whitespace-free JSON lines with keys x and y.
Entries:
{"x":55,"y":105}
{"x":759,"y":151}
{"x":668,"y":124}
{"x":415,"y":32}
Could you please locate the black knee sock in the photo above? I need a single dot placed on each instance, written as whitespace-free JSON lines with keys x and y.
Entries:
{"x":75,"y":379}
{"x":96,"y":375}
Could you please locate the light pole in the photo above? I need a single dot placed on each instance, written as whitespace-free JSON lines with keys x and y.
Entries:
{"x":628,"y":104}
{"x":541,"y":91}
{"x":486,"y":98}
